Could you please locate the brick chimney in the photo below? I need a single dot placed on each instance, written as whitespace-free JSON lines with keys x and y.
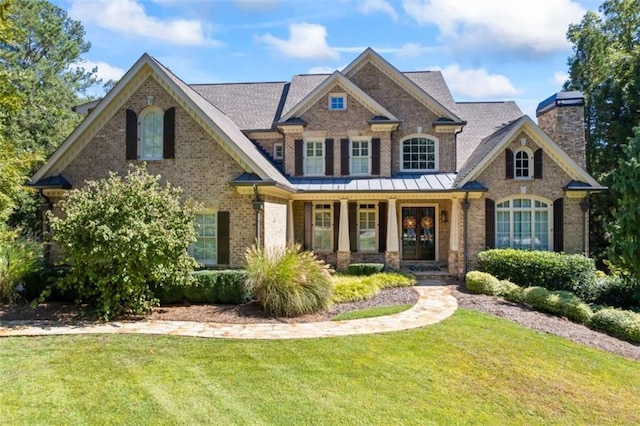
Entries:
{"x":561,"y":117}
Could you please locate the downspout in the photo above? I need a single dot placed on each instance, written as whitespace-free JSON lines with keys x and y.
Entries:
{"x":46,"y":229}
{"x":585,"y":205}
{"x":465,"y":210}
{"x":455,"y":148}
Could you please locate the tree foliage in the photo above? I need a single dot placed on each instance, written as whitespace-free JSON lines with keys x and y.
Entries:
{"x":122,"y":237}
{"x":605,"y":66}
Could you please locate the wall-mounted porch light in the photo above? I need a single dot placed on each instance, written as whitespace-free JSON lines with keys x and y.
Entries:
{"x":443,"y":216}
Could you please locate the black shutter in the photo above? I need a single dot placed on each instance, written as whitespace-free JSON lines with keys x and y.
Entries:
{"x":537,"y":164}
{"x":336,"y":225}
{"x":299,"y":155}
{"x":490,"y":223}
{"x":509,"y":163}
{"x":132,"y":135}
{"x":328,"y":157}
{"x":375,"y":156}
{"x":308,"y":211}
{"x":223,"y":238}
{"x":353,"y":226}
{"x":169,"y":133}
{"x":344,"y":157}
{"x":382,"y":227}
{"x":558,"y":221}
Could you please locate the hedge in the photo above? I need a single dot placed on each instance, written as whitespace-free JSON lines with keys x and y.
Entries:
{"x":555,"y":271}
{"x":222,"y":286}
{"x":622,"y":324}
{"x":482,"y":283}
{"x":365,"y":268}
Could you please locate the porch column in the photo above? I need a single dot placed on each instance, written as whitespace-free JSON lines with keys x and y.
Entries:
{"x":343,"y":256}
{"x":290,"y":225}
{"x":454,"y":236}
{"x":392,"y":256}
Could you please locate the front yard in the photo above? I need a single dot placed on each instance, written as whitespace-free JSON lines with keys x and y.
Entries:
{"x":471,"y":368}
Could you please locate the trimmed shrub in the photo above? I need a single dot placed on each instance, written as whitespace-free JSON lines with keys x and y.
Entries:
{"x":385,"y":280}
{"x":482,"y":283}
{"x":365,"y":268}
{"x":516,"y":294}
{"x":562,"y":303}
{"x":622,"y":324}
{"x":288,"y":282}
{"x":352,"y":289}
{"x":225,"y":286}
{"x":506,"y":287}
{"x":617,"y":291}
{"x":536,"y":297}
{"x":555,"y":271}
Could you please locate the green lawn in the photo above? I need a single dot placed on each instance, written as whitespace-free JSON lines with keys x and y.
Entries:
{"x":371,"y":312}
{"x":471,"y":368}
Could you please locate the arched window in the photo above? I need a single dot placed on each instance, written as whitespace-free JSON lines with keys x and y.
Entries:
{"x":419,"y":153}
{"x":523,"y":223}
{"x":523,"y":164}
{"x":150,"y":134}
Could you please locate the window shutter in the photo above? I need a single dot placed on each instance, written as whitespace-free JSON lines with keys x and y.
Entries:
{"x":336,"y":225}
{"x":537,"y":164}
{"x":299,"y":148}
{"x":344,"y":157}
{"x":169,"y":133}
{"x":132,"y":135}
{"x":223,"y":238}
{"x":509,"y":163}
{"x":308,"y":211}
{"x":382,"y":227}
{"x":490,"y":223}
{"x":328,"y":157}
{"x":353,"y":226}
{"x":375,"y":156}
{"x":558,"y":222}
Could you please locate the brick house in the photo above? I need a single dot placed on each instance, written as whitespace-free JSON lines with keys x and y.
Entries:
{"x":368,"y":164}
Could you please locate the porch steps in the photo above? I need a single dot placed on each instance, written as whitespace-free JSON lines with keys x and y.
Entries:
{"x":428,"y":272}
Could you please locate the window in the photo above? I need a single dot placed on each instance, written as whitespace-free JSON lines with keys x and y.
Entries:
{"x":522,"y":165}
{"x":360,"y":158}
{"x":322,"y":227}
{"x":150,"y":134}
{"x":337,"y":102}
{"x":278,"y":151}
{"x":314,"y":158}
{"x":367,"y":227}
{"x":419,"y":154}
{"x":205,"y":249}
{"x":523,"y":223}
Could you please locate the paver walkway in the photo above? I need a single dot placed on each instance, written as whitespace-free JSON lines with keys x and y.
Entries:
{"x":434,"y":304}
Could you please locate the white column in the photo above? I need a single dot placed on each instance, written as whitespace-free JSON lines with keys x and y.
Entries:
{"x":290,"y":225}
{"x":343,"y":234}
{"x":392,"y":227}
{"x":455,"y":225}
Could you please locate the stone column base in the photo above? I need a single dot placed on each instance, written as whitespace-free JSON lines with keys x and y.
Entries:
{"x":453,"y":264}
{"x":343,"y":258}
{"x":392,"y":259}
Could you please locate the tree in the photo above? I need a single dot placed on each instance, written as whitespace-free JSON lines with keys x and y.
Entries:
{"x":624,"y":251}
{"x":605,"y":66}
{"x":122,"y":237}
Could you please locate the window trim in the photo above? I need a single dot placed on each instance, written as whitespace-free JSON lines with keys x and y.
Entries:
{"x":304,"y":158}
{"x":337,"y":95}
{"x":376,"y":226}
{"x":191,"y":251}
{"x":532,"y":209}
{"x":530,"y":161}
{"x":275,"y":150}
{"x":436,"y":151}
{"x":313,"y":226}
{"x":146,"y":111}
{"x":351,"y":168}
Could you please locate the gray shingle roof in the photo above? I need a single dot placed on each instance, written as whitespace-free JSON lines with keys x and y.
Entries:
{"x":432,"y":82}
{"x":405,"y":182}
{"x":301,"y":86}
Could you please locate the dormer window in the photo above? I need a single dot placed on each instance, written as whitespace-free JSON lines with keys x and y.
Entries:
{"x":278,"y":151}
{"x":419,"y":153}
{"x":337,"y":102}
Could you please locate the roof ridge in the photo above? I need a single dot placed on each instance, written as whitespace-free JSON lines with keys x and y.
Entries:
{"x":239,"y":83}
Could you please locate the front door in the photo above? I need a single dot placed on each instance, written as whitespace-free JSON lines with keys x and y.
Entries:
{"x":418,"y":233}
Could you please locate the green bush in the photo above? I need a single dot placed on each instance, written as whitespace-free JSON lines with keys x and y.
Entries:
{"x":122,"y":236}
{"x":537,"y":297}
{"x":365,"y":268}
{"x":555,"y":271}
{"x":353,"y":288}
{"x":227,"y":286}
{"x":482,"y":283}
{"x":562,"y":303}
{"x":617,"y":291}
{"x":20,"y":259}
{"x":516,"y":294}
{"x":622,"y":324}
{"x":506,"y":287}
{"x":287,"y":281}
{"x":385,"y":280}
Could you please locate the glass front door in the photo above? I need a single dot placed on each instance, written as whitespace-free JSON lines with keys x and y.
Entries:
{"x":419,"y":233}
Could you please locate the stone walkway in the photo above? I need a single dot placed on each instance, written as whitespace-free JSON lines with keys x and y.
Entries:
{"x":434,"y":304}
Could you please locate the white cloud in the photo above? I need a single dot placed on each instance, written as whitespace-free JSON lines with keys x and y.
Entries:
{"x":306,"y":41}
{"x":412,"y":50}
{"x":560,"y":77}
{"x":129,"y":17}
{"x":321,"y":70}
{"x":105,"y":71}
{"x":257,"y":5}
{"x":373,"y":6}
{"x":477,"y":83}
{"x":534,"y":25}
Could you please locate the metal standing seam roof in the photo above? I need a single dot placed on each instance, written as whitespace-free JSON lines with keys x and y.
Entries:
{"x":432,"y":182}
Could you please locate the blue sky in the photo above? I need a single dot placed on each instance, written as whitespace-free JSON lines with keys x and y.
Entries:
{"x":486,"y":49}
